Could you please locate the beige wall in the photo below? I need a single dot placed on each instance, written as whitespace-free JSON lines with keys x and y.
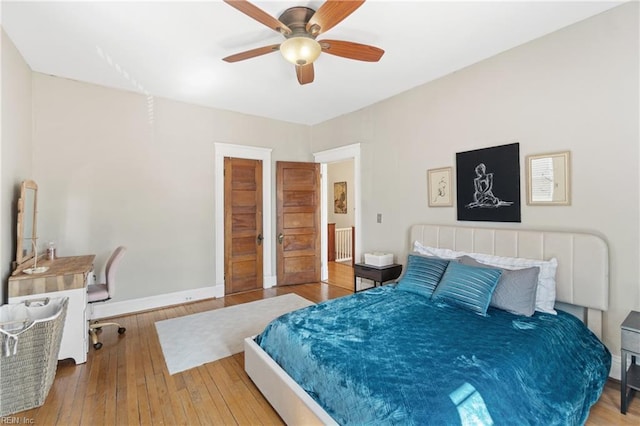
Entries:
{"x":16,"y":148}
{"x":114,"y":171}
{"x":576,"y":89}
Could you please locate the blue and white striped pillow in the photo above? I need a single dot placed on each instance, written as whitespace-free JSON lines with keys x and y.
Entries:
{"x":469,"y":287}
{"x":422,"y":274}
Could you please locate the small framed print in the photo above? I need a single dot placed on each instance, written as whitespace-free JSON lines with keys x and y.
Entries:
{"x":440,"y":187}
{"x":549,"y":179}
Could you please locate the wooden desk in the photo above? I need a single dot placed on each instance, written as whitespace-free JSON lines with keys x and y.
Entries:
{"x":67,"y":276}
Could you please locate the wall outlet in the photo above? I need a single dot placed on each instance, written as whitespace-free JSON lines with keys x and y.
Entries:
{"x":379,"y":218}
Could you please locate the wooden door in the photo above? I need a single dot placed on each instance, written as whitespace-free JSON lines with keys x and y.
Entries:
{"x":298,"y":231}
{"x":242,"y":225}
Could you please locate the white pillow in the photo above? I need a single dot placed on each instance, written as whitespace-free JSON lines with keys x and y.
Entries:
{"x":438,"y":252}
{"x":546,"y":291}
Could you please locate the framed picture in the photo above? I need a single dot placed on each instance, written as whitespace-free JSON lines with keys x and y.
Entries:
{"x":549,"y":179}
{"x":340,"y":197}
{"x":440,"y":187}
{"x":488,"y":184}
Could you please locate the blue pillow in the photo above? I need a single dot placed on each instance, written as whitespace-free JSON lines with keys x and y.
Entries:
{"x":467,"y":286}
{"x":422,"y":274}
{"x":516,"y":289}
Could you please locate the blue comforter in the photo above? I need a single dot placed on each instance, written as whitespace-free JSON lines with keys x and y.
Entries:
{"x":385,"y":356}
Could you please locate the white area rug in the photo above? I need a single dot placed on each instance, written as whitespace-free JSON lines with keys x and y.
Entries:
{"x":193,"y":340}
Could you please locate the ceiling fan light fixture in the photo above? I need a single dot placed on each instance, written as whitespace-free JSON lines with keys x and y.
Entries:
{"x":300,"y":50}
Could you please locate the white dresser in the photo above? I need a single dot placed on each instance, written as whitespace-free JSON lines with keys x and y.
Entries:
{"x":67,"y":276}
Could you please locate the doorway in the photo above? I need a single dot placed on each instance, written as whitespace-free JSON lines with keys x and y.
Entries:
{"x":341,"y":227}
{"x":323,"y":157}
{"x":352,"y":154}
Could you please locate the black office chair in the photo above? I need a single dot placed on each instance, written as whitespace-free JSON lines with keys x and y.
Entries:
{"x":104,"y":292}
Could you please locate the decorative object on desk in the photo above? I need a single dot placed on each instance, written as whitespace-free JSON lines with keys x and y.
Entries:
{"x":440,"y":188}
{"x":549,"y":179}
{"x":27,"y":221}
{"x":51,"y":250}
{"x":488,"y":184}
{"x":35,"y":269}
{"x":340,"y":197}
{"x":193,"y":340}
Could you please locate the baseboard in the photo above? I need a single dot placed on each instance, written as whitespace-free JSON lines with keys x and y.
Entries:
{"x":114,"y":309}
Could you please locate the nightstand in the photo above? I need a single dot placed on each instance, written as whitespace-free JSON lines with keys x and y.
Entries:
{"x":630,"y":376}
{"x":379,"y":274}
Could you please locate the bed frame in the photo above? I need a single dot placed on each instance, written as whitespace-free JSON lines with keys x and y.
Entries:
{"x":582,"y":286}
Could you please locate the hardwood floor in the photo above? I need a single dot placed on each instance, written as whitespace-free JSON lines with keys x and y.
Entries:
{"x":127,"y":382}
{"x":341,"y":275}
{"x":607,"y":410}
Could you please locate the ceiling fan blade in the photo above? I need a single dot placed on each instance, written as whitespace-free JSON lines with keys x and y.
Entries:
{"x":259,"y":15}
{"x":351,"y":50}
{"x":330,"y":14}
{"x":252,"y":53}
{"x":305,"y":73}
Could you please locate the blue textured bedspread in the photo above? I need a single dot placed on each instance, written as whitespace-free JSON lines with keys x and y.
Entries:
{"x":385,"y":356}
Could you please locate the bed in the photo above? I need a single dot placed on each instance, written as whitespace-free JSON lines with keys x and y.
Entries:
{"x":549,"y":367}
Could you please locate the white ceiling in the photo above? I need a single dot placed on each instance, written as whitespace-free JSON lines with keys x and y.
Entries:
{"x":175,"y":49}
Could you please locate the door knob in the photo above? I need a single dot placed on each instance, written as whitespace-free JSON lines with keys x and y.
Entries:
{"x":260,"y":238}
{"x":280,"y":238}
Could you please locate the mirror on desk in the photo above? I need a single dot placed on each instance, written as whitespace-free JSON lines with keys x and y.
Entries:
{"x":27,"y":221}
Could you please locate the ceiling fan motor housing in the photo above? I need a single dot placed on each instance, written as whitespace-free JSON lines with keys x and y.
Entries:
{"x":296,"y":18}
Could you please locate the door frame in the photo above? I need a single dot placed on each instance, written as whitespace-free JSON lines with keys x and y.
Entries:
{"x":347,"y":152}
{"x":252,"y":153}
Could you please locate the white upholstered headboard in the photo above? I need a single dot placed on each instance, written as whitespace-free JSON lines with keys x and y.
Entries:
{"x":582,"y":278}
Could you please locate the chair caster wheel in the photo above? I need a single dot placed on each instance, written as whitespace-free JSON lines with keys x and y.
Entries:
{"x":97,"y":345}
{"x":121,"y":330}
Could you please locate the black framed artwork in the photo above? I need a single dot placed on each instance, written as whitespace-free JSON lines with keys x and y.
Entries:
{"x":488,"y":184}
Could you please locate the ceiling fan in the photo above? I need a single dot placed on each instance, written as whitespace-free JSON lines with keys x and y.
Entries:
{"x":300,"y":26}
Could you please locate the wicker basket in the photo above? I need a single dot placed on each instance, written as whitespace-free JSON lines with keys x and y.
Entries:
{"x":30,"y":335}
